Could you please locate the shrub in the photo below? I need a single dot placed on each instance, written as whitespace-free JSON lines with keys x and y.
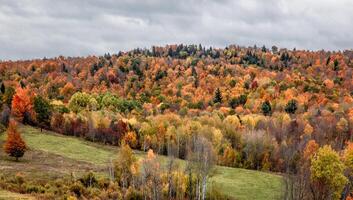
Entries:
{"x":133,"y":194}
{"x":77,"y":188}
{"x":89,"y":180}
{"x":34,"y":189}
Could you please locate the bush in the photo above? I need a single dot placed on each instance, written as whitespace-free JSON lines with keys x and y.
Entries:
{"x":35,"y":189}
{"x":89,"y":180}
{"x":77,"y":188}
{"x":133,"y":194}
{"x":19,"y":179}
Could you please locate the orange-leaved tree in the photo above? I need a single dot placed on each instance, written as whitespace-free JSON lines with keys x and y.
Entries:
{"x":14,"y":146}
{"x":22,"y":105}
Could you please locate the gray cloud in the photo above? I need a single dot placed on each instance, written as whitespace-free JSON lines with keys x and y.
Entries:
{"x":38,"y":28}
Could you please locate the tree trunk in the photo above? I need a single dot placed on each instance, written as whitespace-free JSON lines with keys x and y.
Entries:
{"x":198,"y":189}
{"x":204,"y":182}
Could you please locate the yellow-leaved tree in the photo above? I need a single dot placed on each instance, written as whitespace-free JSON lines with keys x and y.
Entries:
{"x":327,"y":174}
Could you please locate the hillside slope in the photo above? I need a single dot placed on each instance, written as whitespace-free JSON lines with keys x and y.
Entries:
{"x":52,"y":155}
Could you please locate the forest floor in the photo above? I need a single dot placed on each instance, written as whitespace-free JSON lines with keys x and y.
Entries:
{"x":53,"y":155}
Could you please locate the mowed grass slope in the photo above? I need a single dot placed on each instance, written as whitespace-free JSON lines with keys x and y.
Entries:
{"x":241,"y":184}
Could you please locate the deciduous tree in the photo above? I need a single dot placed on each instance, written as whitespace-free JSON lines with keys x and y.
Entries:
{"x":14,"y":146}
{"x":22,"y":105}
{"x":327,"y":174}
{"x":124,"y":165}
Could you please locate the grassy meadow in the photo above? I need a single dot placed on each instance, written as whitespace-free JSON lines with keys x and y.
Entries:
{"x":52,"y":155}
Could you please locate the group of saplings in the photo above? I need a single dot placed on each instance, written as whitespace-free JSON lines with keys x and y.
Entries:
{"x":148,"y":178}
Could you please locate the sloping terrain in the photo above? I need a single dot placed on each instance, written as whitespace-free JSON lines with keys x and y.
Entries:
{"x":52,"y":155}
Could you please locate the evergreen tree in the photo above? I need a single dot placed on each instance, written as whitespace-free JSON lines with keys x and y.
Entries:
{"x":291,"y":106}
{"x":22,"y":84}
{"x":2,"y":88}
{"x":43,"y":110}
{"x":218,"y":96}
{"x":266,"y":108}
{"x":335,"y":65}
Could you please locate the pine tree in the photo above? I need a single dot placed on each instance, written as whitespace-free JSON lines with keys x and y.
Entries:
{"x":14,"y":146}
{"x":266,"y":108}
{"x":43,"y":110}
{"x":335,"y":65}
{"x":2,"y":88}
{"x":291,"y":106}
{"x":218,"y":96}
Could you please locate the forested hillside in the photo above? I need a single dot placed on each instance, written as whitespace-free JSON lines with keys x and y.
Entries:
{"x":274,"y":110}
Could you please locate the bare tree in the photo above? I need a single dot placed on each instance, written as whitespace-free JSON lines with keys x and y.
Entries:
{"x":151,"y":176}
{"x":202,"y":159}
{"x":171,"y":166}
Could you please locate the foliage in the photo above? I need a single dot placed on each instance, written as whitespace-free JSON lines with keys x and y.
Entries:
{"x":125,"y":166}
{"x":43,"y":110}
{"x":291,"y":106}
{"x":8,"y":95}
{"x":217,"y":96}
{"x":327,"y":173}
{"x":266,"y":108}
{"x":14,"y":145}
{"x":241,"y":100}
{"x":80,"y":101}
{"x":22,"y":105}
{"x":164,"y":98}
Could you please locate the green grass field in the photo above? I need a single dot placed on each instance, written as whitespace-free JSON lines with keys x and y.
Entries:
{"x":59,"y":155}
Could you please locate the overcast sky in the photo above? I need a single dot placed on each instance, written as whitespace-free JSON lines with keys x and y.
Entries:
{"x":48,"y":28}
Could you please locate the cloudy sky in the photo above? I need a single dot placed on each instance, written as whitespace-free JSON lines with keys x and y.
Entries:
{"x":47,"y":28}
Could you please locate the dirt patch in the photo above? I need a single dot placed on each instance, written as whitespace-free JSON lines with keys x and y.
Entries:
{"x":43,"y":165}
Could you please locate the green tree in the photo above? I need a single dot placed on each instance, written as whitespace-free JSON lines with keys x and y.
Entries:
{"x":80,"y":101}
{"x":241,"y":100}
{"x":8,"y":95}
{"x":2,"y":88}
{"x":335,"y":65}
{"x":291,"y":106}
{"x":43,"y":110}
{"x":232,"y":83}
{"x":266,"y":108}
{"x":327,"y":174}
{"x":218,"y":96}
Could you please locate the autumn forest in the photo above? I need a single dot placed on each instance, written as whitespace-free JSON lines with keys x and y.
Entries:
{"x":176,"y":115}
